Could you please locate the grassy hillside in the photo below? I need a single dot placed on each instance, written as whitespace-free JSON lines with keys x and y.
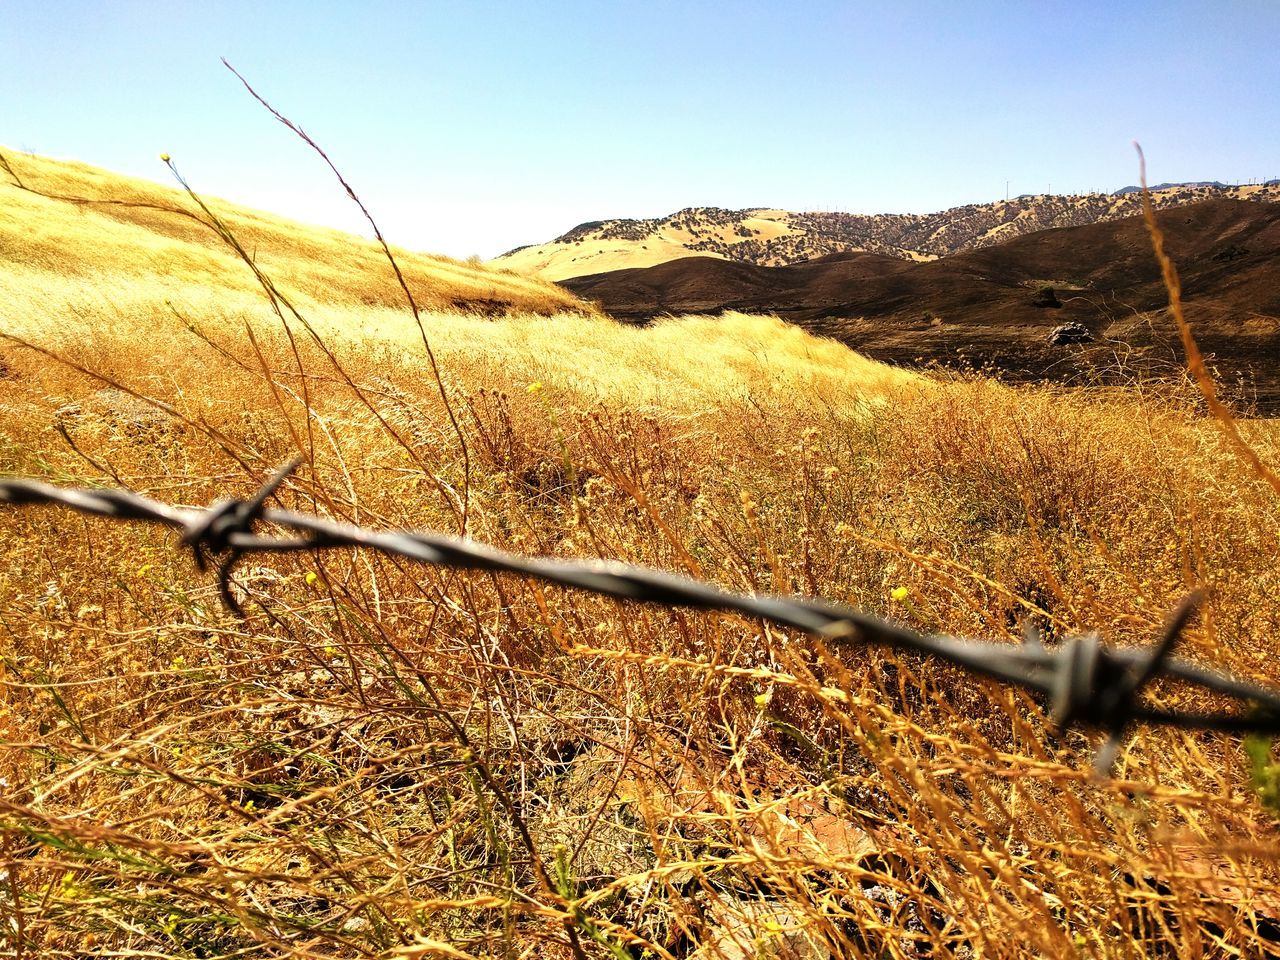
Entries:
{"x":125,"y":242}
{"x":388,"y":760}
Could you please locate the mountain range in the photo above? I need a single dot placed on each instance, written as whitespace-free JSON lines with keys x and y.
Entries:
{"x":772,"y":237}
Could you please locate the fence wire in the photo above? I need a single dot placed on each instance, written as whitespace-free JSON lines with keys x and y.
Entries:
{"x":1086,"y":683}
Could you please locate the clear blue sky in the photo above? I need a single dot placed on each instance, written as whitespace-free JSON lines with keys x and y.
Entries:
{"x":475,"y":127}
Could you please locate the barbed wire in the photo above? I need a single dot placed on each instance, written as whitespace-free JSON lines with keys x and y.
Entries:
{"x":1086,"y":683}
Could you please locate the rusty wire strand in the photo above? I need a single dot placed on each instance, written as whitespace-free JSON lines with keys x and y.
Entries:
{"x":1086,"y":683}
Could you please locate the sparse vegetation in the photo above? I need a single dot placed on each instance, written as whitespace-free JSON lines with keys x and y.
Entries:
{"x":395,"y":761}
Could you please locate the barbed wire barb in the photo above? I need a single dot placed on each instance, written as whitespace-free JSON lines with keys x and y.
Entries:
{"x":1085,"y":682}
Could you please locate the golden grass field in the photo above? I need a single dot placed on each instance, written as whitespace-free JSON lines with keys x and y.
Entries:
{"x":391,"y":760}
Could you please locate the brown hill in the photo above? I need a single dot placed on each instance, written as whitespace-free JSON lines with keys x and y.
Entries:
{"x":1061,"y":304}
{"x":776,"y":237}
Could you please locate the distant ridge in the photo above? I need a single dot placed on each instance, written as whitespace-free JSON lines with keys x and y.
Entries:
{"x":769,"y":237}
{"x":1059,"y":304}
{"x":1189,"y":185}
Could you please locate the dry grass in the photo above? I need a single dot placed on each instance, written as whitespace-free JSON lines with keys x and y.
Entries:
{"x":388,"y":760}
{"x":137,"y":244}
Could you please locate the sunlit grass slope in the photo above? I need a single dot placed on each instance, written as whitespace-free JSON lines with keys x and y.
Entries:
{"x":388,"y":760}
{"x":131,"y":247}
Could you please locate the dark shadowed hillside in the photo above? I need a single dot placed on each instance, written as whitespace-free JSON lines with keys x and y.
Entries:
{"x":1061,"y":304}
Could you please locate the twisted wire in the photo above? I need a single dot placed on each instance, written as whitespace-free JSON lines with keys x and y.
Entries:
{"x":1086,"y":683}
